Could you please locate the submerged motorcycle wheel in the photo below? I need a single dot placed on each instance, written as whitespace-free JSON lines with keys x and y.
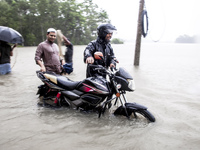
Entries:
{"x":121,"y":111}
{"x":47,"y":102}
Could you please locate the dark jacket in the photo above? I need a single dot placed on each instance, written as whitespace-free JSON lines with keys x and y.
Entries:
{"x":5,"y":50}
{"x":69,"y":54}
{"x":99,"y":45}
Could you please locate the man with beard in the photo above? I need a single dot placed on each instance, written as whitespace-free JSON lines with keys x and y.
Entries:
{"x":101,"y":44}
{"x":47,"y":54}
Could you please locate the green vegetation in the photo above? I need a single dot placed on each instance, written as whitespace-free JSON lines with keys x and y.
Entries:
{"x":32,"y":18}
{"x":117,"y":41}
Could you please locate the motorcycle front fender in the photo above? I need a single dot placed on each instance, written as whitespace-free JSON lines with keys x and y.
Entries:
{"x":129,"y":107}
{"x":135,"y":106}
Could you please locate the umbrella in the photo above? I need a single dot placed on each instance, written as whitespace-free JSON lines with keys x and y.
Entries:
{"x":10,"y":35}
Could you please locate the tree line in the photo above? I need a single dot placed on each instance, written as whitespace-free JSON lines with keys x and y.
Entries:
{"x":32,"y":18}
{"x":187,"y":39}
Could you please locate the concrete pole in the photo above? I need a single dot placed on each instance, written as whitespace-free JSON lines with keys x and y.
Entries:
{"x":139,"y":34}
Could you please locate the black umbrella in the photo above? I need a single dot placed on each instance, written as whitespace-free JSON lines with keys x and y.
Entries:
{"x":10,"y":35}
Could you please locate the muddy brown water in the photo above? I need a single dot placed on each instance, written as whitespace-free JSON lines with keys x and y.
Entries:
{"x":167,"y":82}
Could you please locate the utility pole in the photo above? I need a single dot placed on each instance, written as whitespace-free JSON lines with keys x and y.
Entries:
{"x":139,"y":34}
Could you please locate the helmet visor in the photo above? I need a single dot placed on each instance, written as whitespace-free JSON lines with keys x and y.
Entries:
{"x":109,"y":31}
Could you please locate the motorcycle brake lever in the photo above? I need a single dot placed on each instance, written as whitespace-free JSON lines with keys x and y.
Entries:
{"x":113,"y":69}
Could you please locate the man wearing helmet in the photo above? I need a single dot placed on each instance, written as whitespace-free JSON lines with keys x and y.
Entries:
{"x":101,"y":44}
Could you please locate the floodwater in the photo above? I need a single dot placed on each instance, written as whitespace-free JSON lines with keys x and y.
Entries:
{"x":167,"y":82}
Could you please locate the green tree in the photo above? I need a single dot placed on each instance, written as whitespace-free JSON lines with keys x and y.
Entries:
{"x":92,"y":19}
{"x":117,"y":41}
{"x":5,"y":13}
{"x":32,"y":18}
{"x":13,"y":14}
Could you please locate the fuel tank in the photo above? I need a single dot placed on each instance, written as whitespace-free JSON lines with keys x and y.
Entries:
{"x":95,"y":85}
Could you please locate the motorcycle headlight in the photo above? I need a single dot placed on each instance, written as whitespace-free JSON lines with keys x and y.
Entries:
{"x":131,"y":84}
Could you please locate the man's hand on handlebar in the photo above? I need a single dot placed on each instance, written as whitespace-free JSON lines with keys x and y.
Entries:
{"x":43,"y":69}
{"x":89,"y":60}
{"x":112,"y":66}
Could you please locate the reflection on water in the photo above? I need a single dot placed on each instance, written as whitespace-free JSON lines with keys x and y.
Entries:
{"x":167,"y":82}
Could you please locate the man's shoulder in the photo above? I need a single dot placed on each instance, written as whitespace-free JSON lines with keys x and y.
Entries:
{"x":55,"y":44}
{"x":47,"y":43}
{"x":42,"y":43}
{"x":93,"y":42}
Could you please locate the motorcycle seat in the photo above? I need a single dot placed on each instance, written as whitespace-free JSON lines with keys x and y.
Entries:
{"x":62,"y":81}
{"x":66,"y":83}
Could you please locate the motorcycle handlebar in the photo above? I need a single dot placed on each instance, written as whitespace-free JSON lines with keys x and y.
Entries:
{"x":113,"y":69}
{"x":101,"y":68}
{"x":116,"y":60}
{"x":95,"y":66}
{"x":98,"y":68}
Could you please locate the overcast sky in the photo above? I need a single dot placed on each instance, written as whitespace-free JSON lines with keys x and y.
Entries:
{"x":168,"y":19}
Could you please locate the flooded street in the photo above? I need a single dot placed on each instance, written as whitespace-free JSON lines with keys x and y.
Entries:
{"x":167,"y":82}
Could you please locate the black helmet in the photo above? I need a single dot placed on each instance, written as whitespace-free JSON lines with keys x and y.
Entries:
{"x":104,"y":29}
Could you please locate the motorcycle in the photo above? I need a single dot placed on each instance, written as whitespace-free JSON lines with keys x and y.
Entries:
{"x":96,"y":94}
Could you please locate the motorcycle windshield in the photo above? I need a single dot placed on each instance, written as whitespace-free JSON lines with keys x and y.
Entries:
{"x":123,"y":73}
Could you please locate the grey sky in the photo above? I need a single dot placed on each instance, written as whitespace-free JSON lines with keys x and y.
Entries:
{"x":167,"y":18}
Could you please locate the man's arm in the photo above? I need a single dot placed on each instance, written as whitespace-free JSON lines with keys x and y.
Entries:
{"x":11,"y":52}
{"x":88,"y":58}
{"x":38,"y":56}
{"x":42,"y":67}
{"x":62,"y":61}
